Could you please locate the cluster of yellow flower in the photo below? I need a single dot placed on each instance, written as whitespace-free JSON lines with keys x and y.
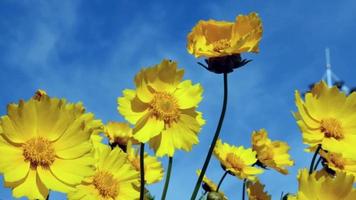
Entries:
{"x":48,"y":144}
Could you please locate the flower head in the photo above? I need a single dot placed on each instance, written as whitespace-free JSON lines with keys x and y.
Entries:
{"x":120,"y":134}
{"x":273,"y":154}
{"x":339,"y":163}
{"x":209,"y":185}
{"x":255,"y":191}
{"x":327,"y":117}
{"x":153,"y":167}
{"x":114,"y":177}
{"x":45,"y":144}
{"x":316,"y":186}
{"x":220,"y":38}
{"x":163,"y":109}
{"x":237,"y":160}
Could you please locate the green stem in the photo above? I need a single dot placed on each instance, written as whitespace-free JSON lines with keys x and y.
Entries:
{"x":243,"y":189}
{"x":48,"y":195}
{"x":142,"y":171}
{"x":216,"y":136}
{"x":168,"y":176}
{"x":313,"y":160}
{"x":221,"y":180}
{"x":317,"y":163}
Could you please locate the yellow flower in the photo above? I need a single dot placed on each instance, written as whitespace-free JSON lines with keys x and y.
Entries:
{"x":45,"y":144}
{"x":273,"y":154}
{"x":237,"y":160}
{"x":163,"y":109}
{"x":119,"y":133}
{"x":314,"y":186}
{"x":327,"y":117}
{"x":255,"y":191}
{"x":153,"y":167}
{"x":220,"y":38}
{"x":209,"y":185}
{"x":114,"y":177}
{"x":339,"y":163}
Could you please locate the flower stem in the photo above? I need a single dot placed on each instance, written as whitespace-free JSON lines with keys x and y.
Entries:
{"x":216,"y":136}
{"x":168,"y":176}
{"x":313,"y":160}
{"x":142,"y":171}
{"x":48,"y":195}
{"x":243,"y":189}
{"x":317,"y":163}
{"x":221,"y":180}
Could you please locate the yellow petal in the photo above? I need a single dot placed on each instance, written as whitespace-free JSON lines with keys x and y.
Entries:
{"x":32,"y":187}
{"x":147,"y":127}
{"x":188,"y":95}
{"x":51,"y":182}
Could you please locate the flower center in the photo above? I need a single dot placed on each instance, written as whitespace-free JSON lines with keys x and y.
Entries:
{"x":39,"y":151}
{"x":337,"y":161}
{"x":221,"y":45}
{"x":106,"y":184}
{"x":235,"y":162}
{"x":332,"y":128}
{"x":164,"y":106}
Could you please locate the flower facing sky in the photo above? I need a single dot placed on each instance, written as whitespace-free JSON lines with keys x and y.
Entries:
{"x":153,"y":167}
{"x":114,"y":177}
{"x":317,"y":186}
{"x":163,"y":108}
{"x":327,"y":117}
{"x":237,"y":160}
{"x":45,"y":144}
{"x":255,"y":191}
{"x":273,"y":154}
{"x":221,"y":38}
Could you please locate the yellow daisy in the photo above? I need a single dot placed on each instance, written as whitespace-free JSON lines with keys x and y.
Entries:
{"x":273,"y":154}
{"x":153,"y":167}
{"x":220,"y":38}
{"x":314,"y":186}
{"x":119,"y":133}
{"x":45,"y":144}
{"x":327,"y":117}
{"x":114,"y":177}
{"x":163,"y":109}
{"x":237,"y":160}
{"x":255,"y":191}
{"x":209,"y":185}
{"x":337,"y":162}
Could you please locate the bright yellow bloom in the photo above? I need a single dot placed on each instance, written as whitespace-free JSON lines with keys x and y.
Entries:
{"x":237,"y":160}
{"x":327,"y":117}
{"x":163,"y":108}
{"x":314,"y":186}
{"x":119,"y":133}
{"x":339,"y":163}
{"x":273,"y":154}
{"x":45,"y":145}
{"x":209,"y":185}
{"x":220,"y":38}
{"x":153,"y":167}
{"x":255,"y":191}
{"x":114,"y":177}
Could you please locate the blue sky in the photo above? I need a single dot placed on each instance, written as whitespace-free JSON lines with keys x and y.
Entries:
{"x":89,"y":51}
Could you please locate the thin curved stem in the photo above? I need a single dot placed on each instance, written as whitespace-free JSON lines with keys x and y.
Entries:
{"x":313,"y":160}
{"x":317,"y":163}
{"x":221,"y":180}
{"x":168,"y":176}
{"x":243,"y":189}
{"x":215,"y":138}
{"x":142,"y":171}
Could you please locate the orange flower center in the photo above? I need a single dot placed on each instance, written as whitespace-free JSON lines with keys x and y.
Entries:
{"x":337,"y":161}
{"x":332,"y":128}
{"x":106,"y":184}
{"x":38,"y":151}
{"x":164,"y":106}
{"x":235,"y":162}
{"x":221,"y":45}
